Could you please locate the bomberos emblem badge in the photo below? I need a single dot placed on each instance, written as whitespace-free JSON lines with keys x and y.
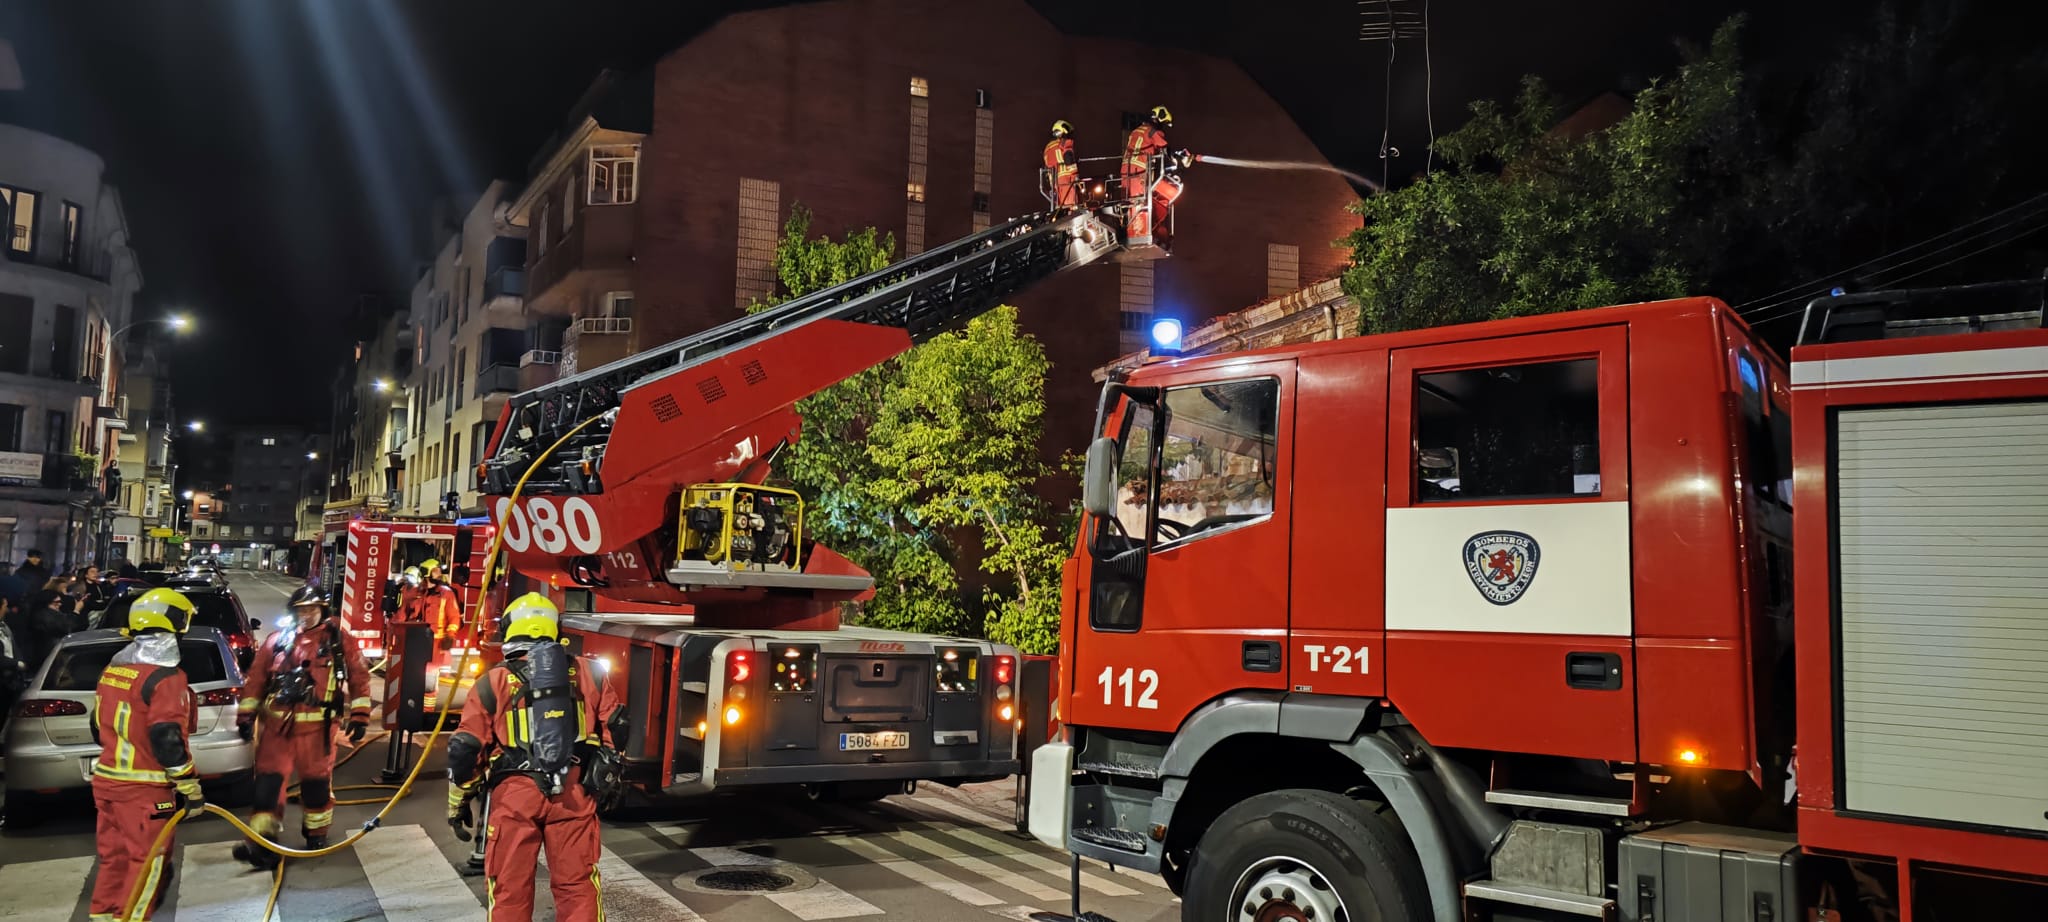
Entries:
{"x":1502,"y":564}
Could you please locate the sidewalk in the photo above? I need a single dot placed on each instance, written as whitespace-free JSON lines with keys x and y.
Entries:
{"x":995,"y":798}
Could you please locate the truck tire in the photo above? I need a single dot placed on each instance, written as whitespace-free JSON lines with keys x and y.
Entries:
{"x":1309,"y":856}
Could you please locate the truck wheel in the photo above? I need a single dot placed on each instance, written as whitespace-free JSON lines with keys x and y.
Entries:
{"x":1306,"y":856}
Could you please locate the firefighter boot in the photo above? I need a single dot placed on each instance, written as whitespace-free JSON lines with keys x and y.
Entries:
{"x":316,"y":840}
{"x":257,"y":856}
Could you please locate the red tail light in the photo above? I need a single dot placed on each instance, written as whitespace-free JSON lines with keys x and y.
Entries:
{"x":50,"y":707}
{"x":1004,"y":667}
{"x":738,"y":668}
{"x":237,"y":641}
{"x":219,"y":697}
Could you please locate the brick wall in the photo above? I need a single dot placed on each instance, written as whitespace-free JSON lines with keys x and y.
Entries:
{"x":816,"y":98}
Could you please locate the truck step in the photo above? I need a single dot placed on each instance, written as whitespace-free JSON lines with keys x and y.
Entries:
{"x":1113,"y":768}
{"x":1576,"y":904}
{"x":1121,"y":839}
{"x":1569,"y":803}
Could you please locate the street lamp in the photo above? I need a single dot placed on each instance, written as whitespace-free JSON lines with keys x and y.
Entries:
{"x":196,"y":425}
{"x":382,"y":385}
{"x":179,"y":323}
{"x":312,"y":456}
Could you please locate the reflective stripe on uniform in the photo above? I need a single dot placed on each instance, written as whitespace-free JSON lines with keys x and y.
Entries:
{"x":316,"y":819}
{"x":124,"y":753}
{"x":245,"y":706}
{"x":135,"y":775}
{"x":360,"y":704}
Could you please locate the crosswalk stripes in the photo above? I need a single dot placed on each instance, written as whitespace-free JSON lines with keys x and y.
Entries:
{"x":43,"y":890}
{"x":823,"y":900}
{"x":410,"y":885}
{"x":888,"y":860}
{"x":630,"y":897}
{"x":1090,"y":879}
{"x":211,"y":884}
{"x":943,"y":852}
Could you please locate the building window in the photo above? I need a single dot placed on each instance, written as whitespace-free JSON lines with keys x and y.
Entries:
{"x":17,"y":321}
{"x":1283,"y":269}
{"x":618,"y":304}
{"x":982,"y":100}
{"x":614,"y":174}
{"x":10,"y":427}
{"x":919,"y":165}
{"x":462,"y":291}
{"x":72,"y":220}
{"x":18,"y":206}
{"x":1521,"y":431}
{"x":57,"y":433}
{"x":1134,"y":297}
{"x":461,"y":369}
{"x":269,"y":441}
{"x":540,"y":226}
{"x":568,"y":202}
{"x":984,"y":159}
{"x":760,"y":211}
{"x":64,"y":344}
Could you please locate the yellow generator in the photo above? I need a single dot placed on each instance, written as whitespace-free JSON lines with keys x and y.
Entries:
{"x":741,"y":526}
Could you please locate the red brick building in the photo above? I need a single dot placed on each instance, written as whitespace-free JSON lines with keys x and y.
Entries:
{"x":924,"y":118}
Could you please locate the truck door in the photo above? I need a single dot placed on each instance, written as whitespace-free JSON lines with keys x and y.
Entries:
{"x":1508,"y":603}
{"x":1199,"y":608}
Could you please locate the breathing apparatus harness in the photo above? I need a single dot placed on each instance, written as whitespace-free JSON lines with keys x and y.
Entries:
{"x":543,"y":727}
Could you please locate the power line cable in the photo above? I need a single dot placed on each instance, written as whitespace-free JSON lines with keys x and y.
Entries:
{"x":1824,"y":281}
{"x":2024,"y":232}
{"x":1812,"y":293}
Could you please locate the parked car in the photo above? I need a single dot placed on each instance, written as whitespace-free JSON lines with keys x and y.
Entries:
{"x":196,"y":579}
{"x":214,"y":605}
{"x":50,"y":750}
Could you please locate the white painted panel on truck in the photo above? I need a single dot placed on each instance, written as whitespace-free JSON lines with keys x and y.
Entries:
{"x":1942,"y":538}
{"x":1544,"y":568}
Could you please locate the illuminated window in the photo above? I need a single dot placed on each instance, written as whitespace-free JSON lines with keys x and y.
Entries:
{"x":269,"y":441}
{"x":916,"y":192}
{"x":614,"y":174}
{"x":920,"y":87}
{"x":18,"y":207}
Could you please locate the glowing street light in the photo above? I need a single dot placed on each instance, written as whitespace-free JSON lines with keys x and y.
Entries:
{"x":196,"y":425}
{"x":382,"y":385}
{"x":187,"y":494}
{"x":312,"y":456}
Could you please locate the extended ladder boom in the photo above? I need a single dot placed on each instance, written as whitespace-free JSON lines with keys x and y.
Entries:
{"x":713,"y":406}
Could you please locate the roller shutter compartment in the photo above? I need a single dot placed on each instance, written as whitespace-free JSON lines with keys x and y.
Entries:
{"x":1942,"y":540}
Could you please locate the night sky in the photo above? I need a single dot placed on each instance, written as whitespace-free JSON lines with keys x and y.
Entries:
{"x":277,"y":157}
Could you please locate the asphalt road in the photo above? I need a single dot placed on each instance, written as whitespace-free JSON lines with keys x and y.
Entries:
{"x":935,"y":855}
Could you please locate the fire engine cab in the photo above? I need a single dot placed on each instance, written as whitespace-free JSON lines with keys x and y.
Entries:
{"x":1504,"y":621}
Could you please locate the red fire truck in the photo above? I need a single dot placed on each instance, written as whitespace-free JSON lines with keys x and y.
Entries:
{"x":636,"y":492}
{"x":360,"y":559}
{"x":1505,"y":621}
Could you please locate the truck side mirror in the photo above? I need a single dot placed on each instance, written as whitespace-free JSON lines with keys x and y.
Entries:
{"x":1098,"y":480}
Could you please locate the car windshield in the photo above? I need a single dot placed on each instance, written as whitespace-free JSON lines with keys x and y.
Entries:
{"x":77,"y":667}
{"x":211,"y":610}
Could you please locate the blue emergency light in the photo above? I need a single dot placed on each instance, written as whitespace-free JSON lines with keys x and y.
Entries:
{"x":1166,"y":336}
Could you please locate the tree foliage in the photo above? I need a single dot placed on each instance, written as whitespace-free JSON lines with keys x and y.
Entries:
{"x":923,"y":463}
{"x":1725,"y":179}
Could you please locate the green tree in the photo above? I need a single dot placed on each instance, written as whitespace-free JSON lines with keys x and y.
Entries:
{"x":1527,"y":220}
{"x":903,"y":463}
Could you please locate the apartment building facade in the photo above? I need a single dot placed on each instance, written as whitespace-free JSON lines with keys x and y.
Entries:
{"x":656,"y":215}
{"x":68,"y":281}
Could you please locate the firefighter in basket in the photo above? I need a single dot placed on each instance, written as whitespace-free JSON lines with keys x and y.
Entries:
{"x":307,"y":682}
{"x":533,"y":735}
{"x":143,"y":720}
{"x":1150,"y":201}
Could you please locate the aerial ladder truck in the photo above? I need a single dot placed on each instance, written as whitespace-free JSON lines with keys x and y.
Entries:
{"x":639,"y":493}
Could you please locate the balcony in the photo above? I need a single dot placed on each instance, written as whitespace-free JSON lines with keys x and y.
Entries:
{"x":97,"y":265}
{"x":509,"y":282}
{"x":497,"y":379}
{"x":538,"y":367}
{"x":595,"y":256}
{"x":593,"y":341}
{"x":53,"y":471}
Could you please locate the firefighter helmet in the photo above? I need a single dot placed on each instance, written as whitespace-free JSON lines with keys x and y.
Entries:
{"x":1061,"y":128}
{"x":160,"y":610}
{"x":410,"y":577}
{"x":430,"y":566}
{"x":1161,"y":117}
{"x":305,"y":596}
{"x":532,"y":617}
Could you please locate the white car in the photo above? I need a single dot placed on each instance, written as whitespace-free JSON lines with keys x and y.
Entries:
{"x":50,"y":750}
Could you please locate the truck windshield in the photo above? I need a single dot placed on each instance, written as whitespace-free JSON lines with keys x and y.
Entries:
{"x":1216,"y":460}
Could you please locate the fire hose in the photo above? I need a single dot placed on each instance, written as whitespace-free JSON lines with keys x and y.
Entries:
{"x":163,"y":837}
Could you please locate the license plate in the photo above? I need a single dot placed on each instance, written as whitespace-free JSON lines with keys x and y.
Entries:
{"x":887,"y":739}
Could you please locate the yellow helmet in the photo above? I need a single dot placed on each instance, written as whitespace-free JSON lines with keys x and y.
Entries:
{"x":1163,"y":117}
{"x":160,"y":609}
{"x":430,"y":565}
{"x":1061,"y":129}
{"x":534,"y":616}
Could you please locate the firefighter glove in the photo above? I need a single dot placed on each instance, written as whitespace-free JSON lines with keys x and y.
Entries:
{"x":357,"y":726}
{"x":459,"y":819}
{"x":245,"y":725}
{"x":190,"y":797}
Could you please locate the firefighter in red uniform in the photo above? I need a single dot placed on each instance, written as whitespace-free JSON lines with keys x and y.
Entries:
{"x":143,"y":721}
{"x":1066,"y":170}
{"x":305,"y":681}
{"x":531,"y":730}
{"x":439,"y":606}
{"x":1145,"y":145}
